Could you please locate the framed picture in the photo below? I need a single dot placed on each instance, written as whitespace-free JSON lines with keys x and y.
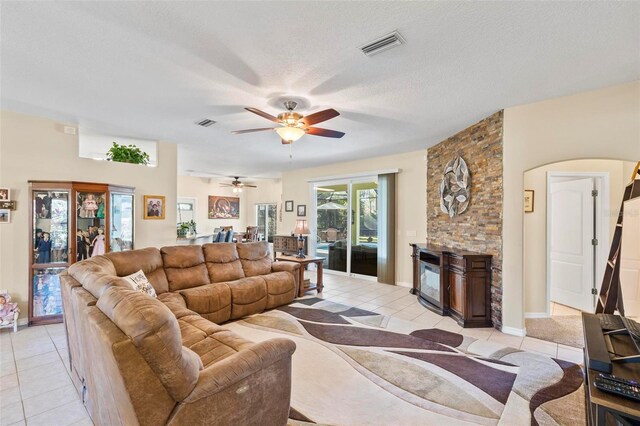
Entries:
{"x":5,"y":194}
{"x":221,"y":207}
{"x":9,"y":205}
{"x":528,"y":200}
{"x":288,"y":206}
{"x":302,"y":210}
{"x":5,"y":216}
{"x":154,"y":206}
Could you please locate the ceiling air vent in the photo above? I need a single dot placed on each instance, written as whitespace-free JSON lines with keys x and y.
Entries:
{"x":205,"y":122}
{"x":383,"y":43}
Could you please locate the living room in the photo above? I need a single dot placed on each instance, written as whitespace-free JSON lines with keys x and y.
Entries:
{"x":508,"y":88}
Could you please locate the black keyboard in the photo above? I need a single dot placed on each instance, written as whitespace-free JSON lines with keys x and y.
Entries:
{"x":610,"y":322}
{"x":619,"y":386}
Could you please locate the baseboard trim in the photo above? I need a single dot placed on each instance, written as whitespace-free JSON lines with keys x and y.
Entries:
{"x":520,"y":332}
{"x":23,"y":321}
{"x":403,"y":284}
{"x":536,"y":315}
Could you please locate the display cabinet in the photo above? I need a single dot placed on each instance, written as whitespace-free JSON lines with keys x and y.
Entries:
{"x":69,"y":222}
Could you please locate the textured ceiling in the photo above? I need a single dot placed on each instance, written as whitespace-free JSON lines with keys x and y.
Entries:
{"x":150,"y":69}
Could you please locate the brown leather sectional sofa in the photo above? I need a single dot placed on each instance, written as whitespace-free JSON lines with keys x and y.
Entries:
{"x":155,"y":361}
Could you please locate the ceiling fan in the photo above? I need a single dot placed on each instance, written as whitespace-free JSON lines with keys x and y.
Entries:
{"x":294,"y":125}
{"x":237,"y":185}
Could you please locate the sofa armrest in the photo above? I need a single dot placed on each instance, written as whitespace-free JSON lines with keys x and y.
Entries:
{"x":219,"y":376}
{"x":292,"y":267}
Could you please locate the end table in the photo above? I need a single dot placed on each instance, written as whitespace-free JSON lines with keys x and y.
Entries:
{"x":303,"y":264}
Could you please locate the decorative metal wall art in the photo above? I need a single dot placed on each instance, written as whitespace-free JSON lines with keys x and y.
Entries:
{"x":455,"y":188}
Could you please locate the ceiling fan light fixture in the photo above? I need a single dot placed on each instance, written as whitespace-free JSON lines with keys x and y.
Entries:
{"x":289,"y":133}
{"x":236,"y":189}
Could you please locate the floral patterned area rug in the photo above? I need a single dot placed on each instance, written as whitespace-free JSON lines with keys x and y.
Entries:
{"x":355,"y":367}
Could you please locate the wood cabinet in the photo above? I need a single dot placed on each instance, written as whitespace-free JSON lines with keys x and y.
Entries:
{"x":103,"y":214}
{"x":287,"y":245}
{"x":453,"y":282}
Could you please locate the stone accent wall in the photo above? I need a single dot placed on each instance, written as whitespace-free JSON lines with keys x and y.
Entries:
{"x":479,"y":228}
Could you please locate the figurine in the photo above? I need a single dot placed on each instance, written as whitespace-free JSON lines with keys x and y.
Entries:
{"x":100,"y":213}
{"x":81,"y":245}
{"x":98,"y":243}
{"x":89,"y":206}
{"x":9,"y":311}
{"x":43,"y":249}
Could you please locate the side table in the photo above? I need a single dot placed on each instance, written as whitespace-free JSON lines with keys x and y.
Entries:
{"x":303,"y":264}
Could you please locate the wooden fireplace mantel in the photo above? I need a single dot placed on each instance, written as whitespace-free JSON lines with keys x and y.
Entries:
{"x":465,"y":283}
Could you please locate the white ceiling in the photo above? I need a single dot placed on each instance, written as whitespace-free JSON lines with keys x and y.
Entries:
{"x":151,"y":69}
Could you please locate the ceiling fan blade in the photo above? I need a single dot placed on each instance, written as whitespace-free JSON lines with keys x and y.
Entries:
{"x":262,"y":129}
{"x":263,"y":114}
{"x":320,"y":116}
{"x":249,"y":186}
{"x":317,"y":131}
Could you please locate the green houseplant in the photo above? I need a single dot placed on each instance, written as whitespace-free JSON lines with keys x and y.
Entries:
{"x":127,"y":154}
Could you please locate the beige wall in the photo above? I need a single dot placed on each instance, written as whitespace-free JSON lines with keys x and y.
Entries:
{"x":603,"y":123}
{"x":200,"y":189}
{"x":535,"y":223}
{"x":410,"y":190}
{"x":267,"y":192}
{"x":34,"y":148}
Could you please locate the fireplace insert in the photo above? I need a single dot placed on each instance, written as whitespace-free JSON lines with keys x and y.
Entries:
{"x":430,"y":288}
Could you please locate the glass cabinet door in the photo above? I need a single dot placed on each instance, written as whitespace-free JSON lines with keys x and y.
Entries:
{"x":121,"y":236}
{"x":50,"y":255}
{"x":51,"y":227}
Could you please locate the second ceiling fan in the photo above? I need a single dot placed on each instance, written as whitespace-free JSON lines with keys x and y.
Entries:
{"x":294,"y":125}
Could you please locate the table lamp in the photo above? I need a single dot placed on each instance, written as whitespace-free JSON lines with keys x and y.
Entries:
{"x":301,"y":228}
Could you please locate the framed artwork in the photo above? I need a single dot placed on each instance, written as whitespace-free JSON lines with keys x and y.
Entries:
{"x":528,"y":200}
{"x":302,"y":210}
{"x":5,"y":216}
{"x":9,"y":205}
{"x":154,"y":206}
{"x":288,"y":206}
{"x":5,"y":194}
{"x":221,"y":207}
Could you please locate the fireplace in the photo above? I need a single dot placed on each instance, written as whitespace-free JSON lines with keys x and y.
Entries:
{"x":430,"y":287}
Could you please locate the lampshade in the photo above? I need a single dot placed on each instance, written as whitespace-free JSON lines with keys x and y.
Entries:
{"x":301,"y":227}
{"x":290,"y":134}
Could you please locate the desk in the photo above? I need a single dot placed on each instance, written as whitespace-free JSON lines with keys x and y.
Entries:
{"x":602,"y":406}
{"x":303,"y":265}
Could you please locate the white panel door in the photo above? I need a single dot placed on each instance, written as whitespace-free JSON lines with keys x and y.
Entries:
{"x":630,"y":258}
{"x":570,"y":248}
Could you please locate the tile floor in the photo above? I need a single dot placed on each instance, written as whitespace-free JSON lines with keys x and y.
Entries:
{"x":35,"y":386}
{"x":36,"y":389}
{"x":397,"y":302}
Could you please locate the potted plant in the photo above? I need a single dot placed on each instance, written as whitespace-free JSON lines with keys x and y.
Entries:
{"x":127,"y":154}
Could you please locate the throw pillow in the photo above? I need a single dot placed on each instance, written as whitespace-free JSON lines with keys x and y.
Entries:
{"x":138,"y":281}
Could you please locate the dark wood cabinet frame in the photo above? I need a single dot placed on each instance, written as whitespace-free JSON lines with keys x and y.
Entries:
{"x":465,"y":284}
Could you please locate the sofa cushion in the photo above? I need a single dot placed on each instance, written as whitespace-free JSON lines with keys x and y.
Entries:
{"x":212,"y":301}
{"x":148,"y":259}
{"x":184,"y":266}
{"x":281,"y":289}
{"x":211,"y":342}
{"x":154,"y":330}
{"x":248,"y":296}
{"x":223,"y":263}
{"x":96,"y":274}
{"x":255,"y":258}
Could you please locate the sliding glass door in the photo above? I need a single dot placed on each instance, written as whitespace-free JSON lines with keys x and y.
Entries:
{"x":346,"y":225}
